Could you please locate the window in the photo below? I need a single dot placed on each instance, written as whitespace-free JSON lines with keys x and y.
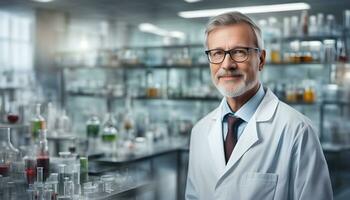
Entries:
{"x":16,"y":43}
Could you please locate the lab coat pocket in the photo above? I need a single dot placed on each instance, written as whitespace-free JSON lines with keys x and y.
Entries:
{"x":258,"y":186}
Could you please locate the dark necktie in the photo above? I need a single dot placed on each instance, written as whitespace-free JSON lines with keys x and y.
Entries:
{"x":231,"y":137}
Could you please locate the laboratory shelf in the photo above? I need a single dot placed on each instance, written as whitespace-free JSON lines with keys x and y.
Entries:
{"x":104,"y":95}
{"x":140,"y":66}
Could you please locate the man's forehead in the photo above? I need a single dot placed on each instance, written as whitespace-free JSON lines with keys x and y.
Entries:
{"x":241,"y":32}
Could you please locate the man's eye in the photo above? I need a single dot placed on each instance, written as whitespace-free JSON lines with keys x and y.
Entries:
{"x":238,"y":52}
{"x":217,"y":53}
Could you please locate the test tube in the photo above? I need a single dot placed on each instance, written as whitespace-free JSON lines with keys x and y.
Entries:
{"x":48,"y":194}
{"x":40,"y":174}
{"x":31,"y":192}
{"x":54,"y":183}
{"x":61,"y":175}
{"x":11,"y":190}
{"x":68,"y":187}
{"x":76,"y":178}
{"x":84,"y":176}
{"x":39,"y":185}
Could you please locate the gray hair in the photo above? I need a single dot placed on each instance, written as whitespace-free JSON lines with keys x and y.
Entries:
{"x":232,"y":18}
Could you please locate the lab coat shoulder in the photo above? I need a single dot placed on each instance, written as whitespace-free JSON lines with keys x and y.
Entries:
{"x":309,"y":172}
{"x":291,"y":115}
{"x":293,"y":120}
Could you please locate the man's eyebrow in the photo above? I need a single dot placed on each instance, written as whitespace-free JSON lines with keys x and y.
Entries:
{"x":236,"y":47}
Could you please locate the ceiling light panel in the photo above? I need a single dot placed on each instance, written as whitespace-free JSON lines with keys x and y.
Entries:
{"x":246,"y":10}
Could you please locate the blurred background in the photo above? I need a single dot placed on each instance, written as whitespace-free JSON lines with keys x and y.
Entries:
{"x":98,"y":97}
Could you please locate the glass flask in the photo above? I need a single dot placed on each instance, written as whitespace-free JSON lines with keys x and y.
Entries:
{"x":92,"y":132}
{"x":110,"y":133}
{"x":13,"y":115}
{"x":8,"y":153}
{"x":128,"y":121}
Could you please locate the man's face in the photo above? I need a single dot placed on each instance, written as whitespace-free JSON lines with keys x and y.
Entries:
{"x":231,"y":78}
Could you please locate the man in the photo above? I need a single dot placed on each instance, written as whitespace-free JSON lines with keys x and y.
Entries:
{"x":253,"y":146}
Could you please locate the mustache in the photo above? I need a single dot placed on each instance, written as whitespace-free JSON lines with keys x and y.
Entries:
{"x":223,"y":72}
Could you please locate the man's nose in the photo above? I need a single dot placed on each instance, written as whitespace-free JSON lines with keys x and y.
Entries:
{"x":228,"y":63}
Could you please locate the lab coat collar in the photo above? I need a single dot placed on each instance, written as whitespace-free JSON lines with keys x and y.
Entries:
{"x":250,"y":135}
{"x":248,"y":109}
{"x":267,"y":107}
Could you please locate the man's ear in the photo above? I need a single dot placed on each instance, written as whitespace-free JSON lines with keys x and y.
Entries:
{"x":262,"y":59}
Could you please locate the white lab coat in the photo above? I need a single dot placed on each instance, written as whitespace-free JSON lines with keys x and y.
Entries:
{"x":278,"y":156}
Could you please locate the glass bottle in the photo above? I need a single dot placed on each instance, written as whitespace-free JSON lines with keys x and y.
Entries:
{"x":92,"y":131}
{"x":42,"y":154}
{"x":64,"y":124}
{"x":330,"y":24}
{"x":291,"y":94}
{"x":320,"y":24}
{"x":128,"y":121}
{"x":8,"y":154}
{"x":286,"y":27}
{"x":109,"y":133}
{"x":304,"y":23}
{"x":275,"y":53}
{"x":294,"y":25}
{"x":152,"y":90}
{"x":37,"y":123}
{"x":93,"y":127}
{"x":313,"y":25}
{"x":309,"y":95}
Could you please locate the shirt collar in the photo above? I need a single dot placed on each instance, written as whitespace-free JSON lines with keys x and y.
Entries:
{"x":248,"y":109}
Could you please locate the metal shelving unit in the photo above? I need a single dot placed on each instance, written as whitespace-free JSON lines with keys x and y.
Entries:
{"x":126,"y":67}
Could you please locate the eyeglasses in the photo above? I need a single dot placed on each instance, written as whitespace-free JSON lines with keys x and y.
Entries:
{"x":240,"y":54}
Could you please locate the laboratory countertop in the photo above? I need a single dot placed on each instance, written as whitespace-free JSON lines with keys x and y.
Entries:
{"x":111,"y":163}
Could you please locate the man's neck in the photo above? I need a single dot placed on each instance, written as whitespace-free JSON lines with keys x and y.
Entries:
{"x":236,"y":103}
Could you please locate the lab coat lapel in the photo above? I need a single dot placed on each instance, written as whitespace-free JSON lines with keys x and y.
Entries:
{"x":250,"y":135}
{"x":216,"y":144}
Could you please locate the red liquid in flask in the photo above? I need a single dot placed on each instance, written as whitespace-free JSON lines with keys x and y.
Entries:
{"x":4,"y":169}
{"x":12,"y":118}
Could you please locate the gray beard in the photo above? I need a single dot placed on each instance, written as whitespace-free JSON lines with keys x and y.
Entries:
{"x":240,"y":90}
